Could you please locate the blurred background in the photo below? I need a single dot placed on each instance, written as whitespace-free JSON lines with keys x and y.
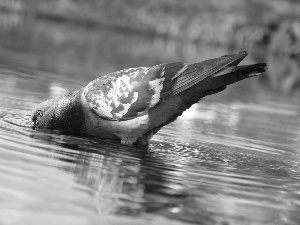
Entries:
{"x":231,"y":159}
{"x":82,"y":37}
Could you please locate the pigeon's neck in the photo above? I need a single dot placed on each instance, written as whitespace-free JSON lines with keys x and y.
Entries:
{"x":69,"y":115}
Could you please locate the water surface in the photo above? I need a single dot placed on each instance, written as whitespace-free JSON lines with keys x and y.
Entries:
{"x":233,"y":158}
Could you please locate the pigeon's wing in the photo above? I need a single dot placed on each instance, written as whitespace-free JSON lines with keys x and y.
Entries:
{"x":197,"y":72}
{"x":130,"y":93}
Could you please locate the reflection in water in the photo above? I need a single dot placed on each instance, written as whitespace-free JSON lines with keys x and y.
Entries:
{"x":115,"y":182}
{"x":232,"y":159}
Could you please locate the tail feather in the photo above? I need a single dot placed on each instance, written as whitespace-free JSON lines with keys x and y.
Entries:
{"x":198,"y":72}
{"x":230,"y":75}
{"x":222,"y":78}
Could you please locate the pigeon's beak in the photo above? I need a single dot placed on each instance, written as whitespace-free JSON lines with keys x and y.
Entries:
{"x":33,"y":125}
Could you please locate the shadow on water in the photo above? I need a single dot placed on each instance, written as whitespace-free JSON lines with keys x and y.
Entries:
{"x":232,"y":159}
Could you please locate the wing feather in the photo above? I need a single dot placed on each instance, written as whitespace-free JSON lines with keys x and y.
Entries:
{"x":197,"y":72}
{"x":129,"y":93}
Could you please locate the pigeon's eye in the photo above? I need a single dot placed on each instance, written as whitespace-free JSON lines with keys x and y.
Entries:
{"x":39,"y":113}
{"x":37,"y":116}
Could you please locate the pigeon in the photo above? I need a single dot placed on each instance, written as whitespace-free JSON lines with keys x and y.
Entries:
{"x":132,"y":105}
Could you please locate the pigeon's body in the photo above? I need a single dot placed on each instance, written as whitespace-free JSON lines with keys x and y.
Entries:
{"x":133,"y":104}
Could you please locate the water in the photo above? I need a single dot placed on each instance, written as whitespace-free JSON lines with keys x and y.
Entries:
{"x":231,"y":159}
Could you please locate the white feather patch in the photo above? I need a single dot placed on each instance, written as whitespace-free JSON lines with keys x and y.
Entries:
{"x":118,"y":90}
{"x":156,"y":85}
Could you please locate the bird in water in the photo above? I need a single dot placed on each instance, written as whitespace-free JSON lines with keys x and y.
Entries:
{"x":132,"y":105}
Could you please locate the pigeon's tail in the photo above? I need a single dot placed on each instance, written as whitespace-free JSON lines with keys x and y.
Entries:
{"x":230,"y":75}
{"x":210,"y":76}
{"x":226,"y":76}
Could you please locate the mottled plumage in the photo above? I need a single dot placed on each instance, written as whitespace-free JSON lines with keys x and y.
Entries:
{"x":133,"y":104}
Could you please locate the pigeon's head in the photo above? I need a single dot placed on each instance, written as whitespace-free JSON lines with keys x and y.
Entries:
{"x":64,"y":113}
{"x":42,"y":115}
